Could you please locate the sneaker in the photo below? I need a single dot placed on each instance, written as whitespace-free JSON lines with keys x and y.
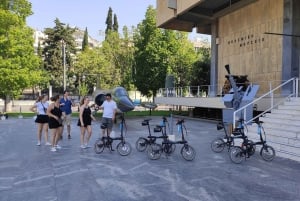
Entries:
{"x":87,"y":146}
{"x":38,"y":143}
{"x":53,"y":149}
{"x":47,"y":143}
{"x":82,"y":147}
{"x":57,"y":146}
{"x":69,"y":137}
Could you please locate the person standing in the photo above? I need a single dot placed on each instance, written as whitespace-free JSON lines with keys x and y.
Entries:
{"x":85,"y":122}
{"x":40,"y":107}
{"x":109,"y":107}
{"x":55,"y":122}
{"x":66,"y":107}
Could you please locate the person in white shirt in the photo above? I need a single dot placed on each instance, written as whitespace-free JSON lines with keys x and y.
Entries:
{"x":40,"y":107}
{"x":109,"y":107}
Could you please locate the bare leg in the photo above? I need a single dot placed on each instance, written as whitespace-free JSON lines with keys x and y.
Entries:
{"x":69,"y":129}
{"x":82,"y":133}
{"x":89,"y":134}
{"x":39,"y":133}
{"x":45,"y":128}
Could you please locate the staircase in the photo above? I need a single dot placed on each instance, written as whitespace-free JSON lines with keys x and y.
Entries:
{"x":282,"y":127}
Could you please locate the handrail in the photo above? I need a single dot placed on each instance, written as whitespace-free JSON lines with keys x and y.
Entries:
{"x":294,"y":93}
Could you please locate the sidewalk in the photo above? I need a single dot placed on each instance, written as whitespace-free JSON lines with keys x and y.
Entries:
{"x":32,"y":173}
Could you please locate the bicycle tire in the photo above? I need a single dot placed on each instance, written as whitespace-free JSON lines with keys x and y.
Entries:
{"x":141,"y":144}
{"x":124,"y":148}
{"x":267,"y":153}
{"x":99,"y":146}
{"x":217,"y":145}
{"x":188,"y":152}
{"x":154,"y":151}
{"x":236,"y":154}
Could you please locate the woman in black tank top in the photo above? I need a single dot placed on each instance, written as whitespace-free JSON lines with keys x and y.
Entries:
{"x":55,"y":122}
{"x":85,"y":121}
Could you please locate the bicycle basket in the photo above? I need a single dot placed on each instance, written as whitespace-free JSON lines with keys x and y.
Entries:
{"x":157,"y":129}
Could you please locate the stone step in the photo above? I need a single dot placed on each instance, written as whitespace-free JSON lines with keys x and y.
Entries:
{"x":289,"y":107}
{"x":289,"y":121}
{"x":291,"y":111}
{"x":290,"y":134}
{"x":282,"y":116}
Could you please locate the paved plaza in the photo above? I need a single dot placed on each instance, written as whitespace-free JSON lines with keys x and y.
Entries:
{"x":33,"y":173}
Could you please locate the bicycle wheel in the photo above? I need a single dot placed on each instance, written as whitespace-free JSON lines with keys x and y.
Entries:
{"x":168,"y":148}
{"x":236,"y":154}
{"x":188,"y":152}
{"x":217,"y":145}
{"x":99,"y":146}
{"x":124,"y":148}
{"x":267,"y":153}
{"x":141,"y":144}
{"x":154,"y":151}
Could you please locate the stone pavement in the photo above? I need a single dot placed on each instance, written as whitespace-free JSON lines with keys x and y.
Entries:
{"x":32,"y":173}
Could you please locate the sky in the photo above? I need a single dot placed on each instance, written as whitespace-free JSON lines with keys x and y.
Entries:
{"x":87,"y":13}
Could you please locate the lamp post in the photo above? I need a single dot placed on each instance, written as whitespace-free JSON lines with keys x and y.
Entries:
{"x":64,"y":63}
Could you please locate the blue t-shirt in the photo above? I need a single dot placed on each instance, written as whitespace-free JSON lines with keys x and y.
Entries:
{"x":67,"y":107}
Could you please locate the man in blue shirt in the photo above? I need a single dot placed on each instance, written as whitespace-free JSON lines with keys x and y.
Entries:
{"x":66,"y":108}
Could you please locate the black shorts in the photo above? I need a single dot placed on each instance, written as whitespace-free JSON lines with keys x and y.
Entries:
{"x":42,"y":119}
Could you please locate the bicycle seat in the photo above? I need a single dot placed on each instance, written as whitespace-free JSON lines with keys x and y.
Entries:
{"x":145,"y":123}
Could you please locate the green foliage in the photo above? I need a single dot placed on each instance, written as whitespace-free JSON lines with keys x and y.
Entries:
{"x":19,"y":66}
{"x":91,"y":64}
{"x":116,"y":24}
{"x":201,"y":69}
{"x":53,"y":52}
{"x":108,"y":22}
{"x":85,"y":42}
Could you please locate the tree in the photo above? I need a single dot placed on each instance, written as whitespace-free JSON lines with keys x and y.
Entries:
{"x":90,"y":69}
{"x":200,"y":73}
{"x":151,"y":55}
{"x":19,"y":66}
{"x":116,"y":24}
{"x":85,"y":42}
{"x":53,"y":53}
{"x":108,"y":22}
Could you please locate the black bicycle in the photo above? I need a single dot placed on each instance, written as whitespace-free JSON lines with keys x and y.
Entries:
{"x":187,"y":151}
{"x":218,"y":144}
{"x":123,"y":147}
{"x":247,"y":148}
{"x":143,"y":142}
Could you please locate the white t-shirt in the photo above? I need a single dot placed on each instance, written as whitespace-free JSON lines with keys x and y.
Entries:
{"x":40,"y":107}
{"x":108,"y":108}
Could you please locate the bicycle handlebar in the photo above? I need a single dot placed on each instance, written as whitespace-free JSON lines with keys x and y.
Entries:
{"x":180,"y":122}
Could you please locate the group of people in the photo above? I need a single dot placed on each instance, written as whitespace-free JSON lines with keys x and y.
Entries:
{"x":58,"y":113}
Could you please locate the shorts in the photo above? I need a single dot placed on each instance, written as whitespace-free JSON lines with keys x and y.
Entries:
{"x":108,"y":122}
{"x":67,"y":120}
{"x":41,"y":119}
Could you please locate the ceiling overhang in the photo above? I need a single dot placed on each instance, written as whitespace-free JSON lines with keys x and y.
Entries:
{"x":203,"y":14}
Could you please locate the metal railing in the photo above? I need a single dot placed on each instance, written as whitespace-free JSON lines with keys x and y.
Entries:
{"x":270,"y":95}
{"x":188,"y":91}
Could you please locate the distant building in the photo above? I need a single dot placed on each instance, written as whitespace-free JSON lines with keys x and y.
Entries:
{"x":39,"y":37}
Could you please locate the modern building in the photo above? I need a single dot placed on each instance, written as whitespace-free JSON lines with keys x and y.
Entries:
{"x":258,"y":38}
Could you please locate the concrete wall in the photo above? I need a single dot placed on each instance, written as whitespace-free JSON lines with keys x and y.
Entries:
{"x":244,"y":46}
